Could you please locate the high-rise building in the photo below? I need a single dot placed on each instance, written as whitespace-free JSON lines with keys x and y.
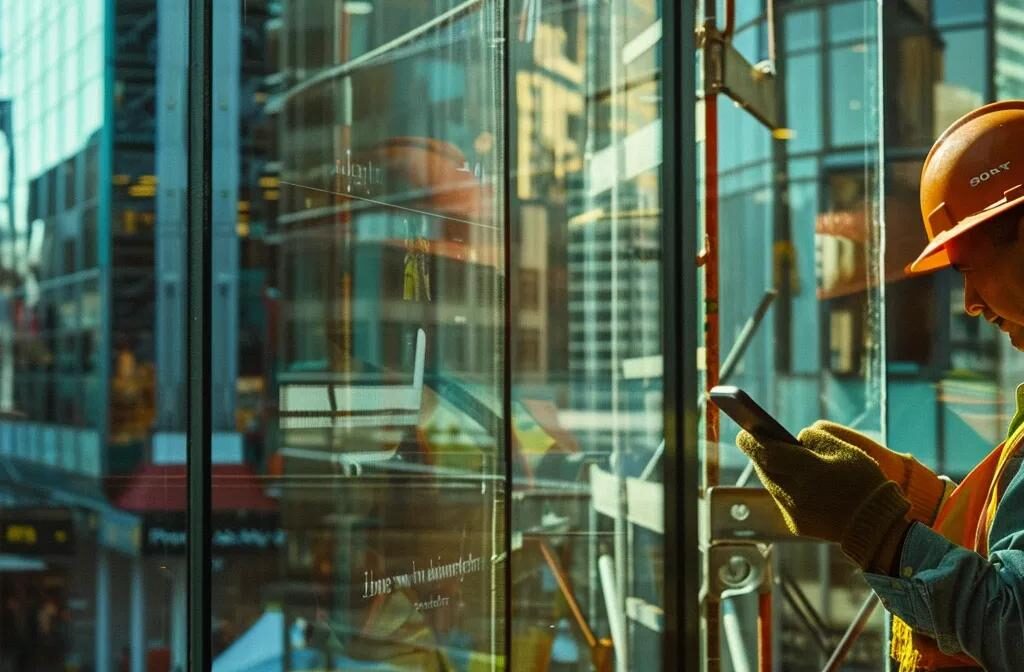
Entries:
{"x":94,"y":119}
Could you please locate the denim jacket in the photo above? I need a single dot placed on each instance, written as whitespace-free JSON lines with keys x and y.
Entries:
{"x":967,"y":603}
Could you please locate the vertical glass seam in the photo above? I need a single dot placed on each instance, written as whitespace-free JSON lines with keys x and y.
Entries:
{"x":880,"y":31}
{"x":505,"y":52}
{"x":883,"y":358}
{"x":681,"y":638}
{"x":197,"y":405}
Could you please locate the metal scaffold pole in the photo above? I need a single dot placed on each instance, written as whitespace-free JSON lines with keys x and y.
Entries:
{"x":752,"y":87}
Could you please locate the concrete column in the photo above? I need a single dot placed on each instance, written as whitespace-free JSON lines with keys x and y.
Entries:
{"x":138,"y":615}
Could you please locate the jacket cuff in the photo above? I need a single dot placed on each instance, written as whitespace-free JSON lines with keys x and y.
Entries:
{"x":875,"y":532}
{"x":924,"y":490}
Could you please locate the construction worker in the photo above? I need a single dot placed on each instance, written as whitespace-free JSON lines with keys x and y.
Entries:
{"x":947,"y":562}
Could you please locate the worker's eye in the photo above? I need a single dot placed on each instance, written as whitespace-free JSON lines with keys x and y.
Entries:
{"x":961,"y":268}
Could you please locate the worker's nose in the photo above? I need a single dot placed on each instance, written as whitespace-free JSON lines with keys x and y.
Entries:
{"x":974,"y":305}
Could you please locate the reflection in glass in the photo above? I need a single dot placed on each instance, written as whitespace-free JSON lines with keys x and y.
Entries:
{"x":586,"y":362}
{"x":948,"y":380}
{"x":804,"y":218}
{"x":954,"y":11}
{"x":362,"y":238}
{"x":851,"y":93}
{"x":359,"y":390}
{"x":85,"y":473}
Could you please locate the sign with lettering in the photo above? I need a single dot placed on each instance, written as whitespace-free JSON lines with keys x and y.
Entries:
{"x":37,"y":531}
{"x":167,"y":534}
{"x":429,"y":572}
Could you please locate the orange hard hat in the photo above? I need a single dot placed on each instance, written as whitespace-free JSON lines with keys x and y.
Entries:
{"x":973,"y":173}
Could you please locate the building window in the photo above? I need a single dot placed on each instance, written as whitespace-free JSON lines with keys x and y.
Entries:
{"x":527,"y":353}
{"x":529,"y":289}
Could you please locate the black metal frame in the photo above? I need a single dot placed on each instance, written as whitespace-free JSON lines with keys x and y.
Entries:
{"x":681,"y":638}
{"x":198,"y":309}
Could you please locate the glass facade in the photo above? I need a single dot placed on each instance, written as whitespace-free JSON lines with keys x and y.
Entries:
{"x":442,"y":337}
{"x":387,"y":449}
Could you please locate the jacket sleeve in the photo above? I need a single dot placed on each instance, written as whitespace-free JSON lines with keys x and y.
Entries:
{"x":965,"y":602}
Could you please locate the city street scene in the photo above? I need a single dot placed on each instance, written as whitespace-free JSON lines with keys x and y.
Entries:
{"x":351,"y":335}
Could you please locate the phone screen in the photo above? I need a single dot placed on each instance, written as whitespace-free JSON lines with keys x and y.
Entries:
{"x":738,"y":405}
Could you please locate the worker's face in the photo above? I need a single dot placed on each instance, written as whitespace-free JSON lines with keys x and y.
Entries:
{"x":993,"y":280}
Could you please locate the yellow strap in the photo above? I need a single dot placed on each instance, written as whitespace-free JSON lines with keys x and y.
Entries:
{"x":1009,"y":448}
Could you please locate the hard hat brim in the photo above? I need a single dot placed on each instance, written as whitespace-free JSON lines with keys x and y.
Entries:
{"x":935,"y":256}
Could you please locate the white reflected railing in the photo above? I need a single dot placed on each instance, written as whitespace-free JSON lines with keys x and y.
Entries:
{"x":347,"y":402}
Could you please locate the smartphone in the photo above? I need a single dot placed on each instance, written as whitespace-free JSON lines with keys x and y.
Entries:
{"x":738,"y":405}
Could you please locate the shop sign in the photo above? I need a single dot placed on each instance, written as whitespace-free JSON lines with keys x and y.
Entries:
{"x":37,"y":532}
{"x":167,"y":534}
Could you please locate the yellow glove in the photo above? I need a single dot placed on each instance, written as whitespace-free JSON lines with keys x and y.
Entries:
{"x":829,"y":489}
{"x":919,"y":484}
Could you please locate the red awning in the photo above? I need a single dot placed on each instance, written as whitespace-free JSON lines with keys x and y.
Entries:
{"x":155,"y":487}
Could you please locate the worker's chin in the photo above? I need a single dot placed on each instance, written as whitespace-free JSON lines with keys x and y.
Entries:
{"x":1015,"y":333}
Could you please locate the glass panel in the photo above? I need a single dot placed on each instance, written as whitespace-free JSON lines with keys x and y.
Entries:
{"x":851,"y":21}
{"x":587,"y":414}
{"x":1008,"y":76}
{"x":359,"y":480}
{"x":965,"y":66}
{"x":803,"y":218}
{"x":87,"y":481}
{"x":914,"y":72}
{"x":748,"y":11}
{"x":803,"y":85}
{"x":966,"y":378}
{"x":850,"y":89}
{"x":951,"y":401}
{"x":950,"y":377}
{"x":948,"y":12}
{"x":802,"y":30}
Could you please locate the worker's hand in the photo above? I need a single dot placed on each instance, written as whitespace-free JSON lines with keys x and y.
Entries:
{"x":829,"y":489}
{"x":919,"y":484}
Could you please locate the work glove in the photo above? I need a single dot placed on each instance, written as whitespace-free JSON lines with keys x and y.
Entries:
{"x":829,"y":489}
{"x":919,"y":484}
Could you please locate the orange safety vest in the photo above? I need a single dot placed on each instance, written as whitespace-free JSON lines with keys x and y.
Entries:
{"x":965,"y":519}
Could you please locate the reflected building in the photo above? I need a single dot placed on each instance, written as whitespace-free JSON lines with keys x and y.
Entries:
{"x":52,"y":77}
{"x":1009,"y":50}
{"x":587,"y":207}
{"x":93,"y":331}
{"x":586,"y":220}
{"x":1009,"y":83}
{"x":820,"y":191}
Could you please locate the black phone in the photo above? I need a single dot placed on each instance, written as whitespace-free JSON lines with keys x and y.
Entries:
{"x":738,"y":405}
